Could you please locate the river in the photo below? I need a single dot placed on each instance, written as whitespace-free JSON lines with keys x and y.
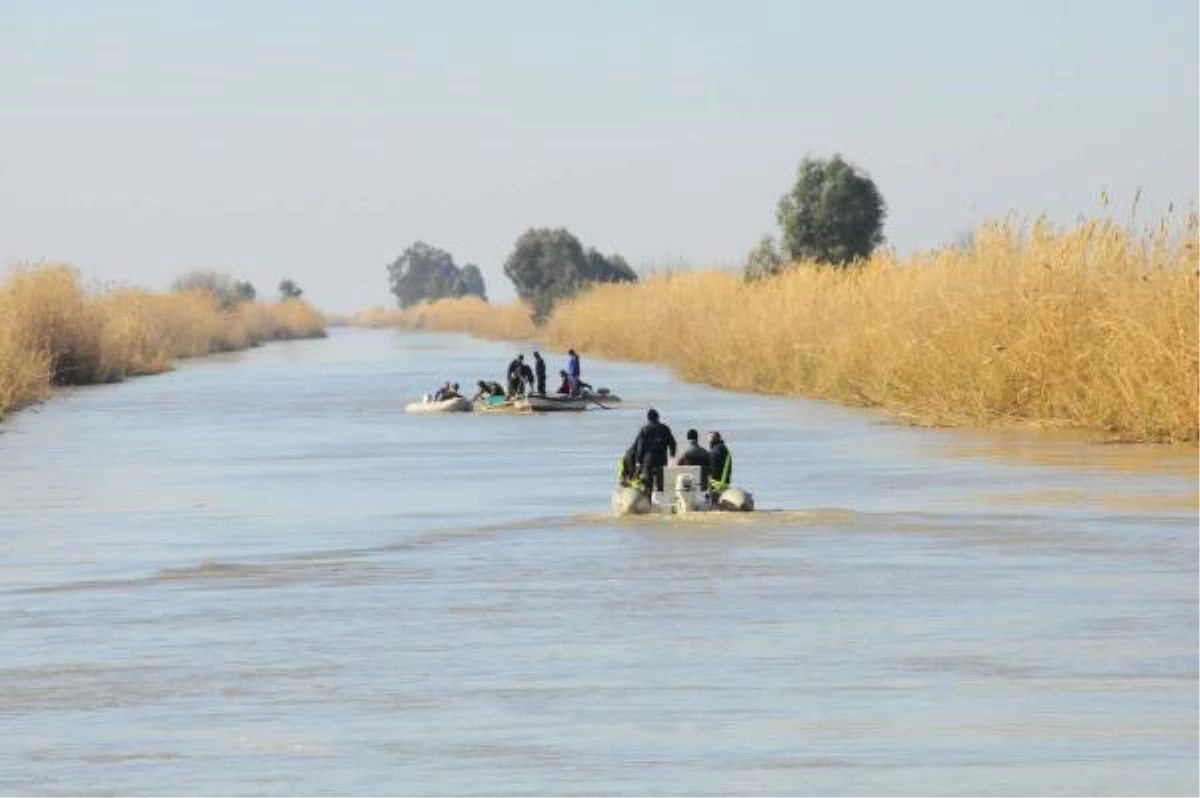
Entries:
{"x":257,"y":575}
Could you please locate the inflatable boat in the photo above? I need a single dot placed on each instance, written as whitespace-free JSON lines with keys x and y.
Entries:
{"x":683,"y":494}
{"x":430,"y":405}
{"x":548,"y":403}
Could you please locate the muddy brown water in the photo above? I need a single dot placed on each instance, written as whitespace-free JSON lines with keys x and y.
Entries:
{"x":257,"y":575}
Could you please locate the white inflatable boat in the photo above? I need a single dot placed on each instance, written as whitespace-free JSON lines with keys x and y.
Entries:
{"x":430,"y":405}
{"x":683,"y":494}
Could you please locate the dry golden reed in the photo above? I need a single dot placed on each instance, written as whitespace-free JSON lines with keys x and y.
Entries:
{"x":1094,"y":327}
{"x":464,"y":314}
{"x":53,"y":331}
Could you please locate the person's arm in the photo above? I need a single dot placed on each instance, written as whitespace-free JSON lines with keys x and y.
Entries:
{"x":670,"y":441}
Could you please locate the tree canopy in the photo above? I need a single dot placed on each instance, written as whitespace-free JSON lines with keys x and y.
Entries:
{"x":763,"y":261}
{"x":223,"y":288}
{"x":289,"y":290}
{"x":549,"y":264}
{"x":423,"y":272}
{"x":833,"y":214}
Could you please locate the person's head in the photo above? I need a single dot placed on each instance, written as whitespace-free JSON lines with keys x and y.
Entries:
{"x":521,"y":357}
{"x":714,"y":437}
{"x":570,"y":351}
{"x":537,"y":355}
{"x":693,"y":436}
{"x":455,"y":386}
{"x":562,"y":372}
{"x":652,"y":415}
{"x":483,"y":385}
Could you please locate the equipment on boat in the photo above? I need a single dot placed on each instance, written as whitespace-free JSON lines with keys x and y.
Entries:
{"x":428,"y":404}
{"x":683,"y":494}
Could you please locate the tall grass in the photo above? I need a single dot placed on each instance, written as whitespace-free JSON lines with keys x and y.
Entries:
{"x":55,"y":332}
{"x":465,"y":314}
{"x":1094,"y":327}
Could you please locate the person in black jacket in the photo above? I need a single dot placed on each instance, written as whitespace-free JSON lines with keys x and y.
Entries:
{"x":720,"y":463}
{"x":695,"y":455}
{"x":651,"y":448}
{"x":539,"y":369}
{"x":514,"y":375}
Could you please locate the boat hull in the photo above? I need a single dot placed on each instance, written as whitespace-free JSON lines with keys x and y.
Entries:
{"x":455,"y":405}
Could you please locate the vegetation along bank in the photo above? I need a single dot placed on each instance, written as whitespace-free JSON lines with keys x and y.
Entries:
{"x":53,"y":331}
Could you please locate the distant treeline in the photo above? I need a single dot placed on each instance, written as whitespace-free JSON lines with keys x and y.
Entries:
{"x":833,"y":214}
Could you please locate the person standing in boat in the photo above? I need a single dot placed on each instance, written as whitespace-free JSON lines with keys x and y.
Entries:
{"x":514,"y":375}
{"x":720,"y":464}
{"x":695,"y":455}
{"x":573,"y":371}
{"x":539,"y":370}
{"x":653,"y":448}
{"x":527,"y":384}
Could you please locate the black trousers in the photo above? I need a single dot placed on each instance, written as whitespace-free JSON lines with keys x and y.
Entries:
{"x":541,"y":384}
{"x":652,"y":476}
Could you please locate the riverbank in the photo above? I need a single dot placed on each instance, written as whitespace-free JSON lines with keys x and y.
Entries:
{"x":1091,"y":328}
{"x":53,"y":331}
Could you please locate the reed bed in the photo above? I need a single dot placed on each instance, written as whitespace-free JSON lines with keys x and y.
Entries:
{"x":55,"y":332}
{"x":464,"y":314}
{"x":1093,"y":327}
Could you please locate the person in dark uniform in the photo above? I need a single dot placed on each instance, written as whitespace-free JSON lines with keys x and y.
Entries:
{"x":486,"y":389}
{"x":653,"y":448}
{"x":526,"y":379}
{"x":720,"y":463}
{"x":627,"y":470}
{"x":514,"y":375}
{"x":539,"y":370}
{"x":695,"y":455}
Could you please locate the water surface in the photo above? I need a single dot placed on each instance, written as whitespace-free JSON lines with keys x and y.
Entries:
{"x":257,"y":575}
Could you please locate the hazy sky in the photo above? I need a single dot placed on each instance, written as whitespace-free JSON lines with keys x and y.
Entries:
{"x":317,"y":140}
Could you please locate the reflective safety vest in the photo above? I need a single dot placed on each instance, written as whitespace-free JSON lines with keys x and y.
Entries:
{"x":622,"y":477}
{"x":720,"y":482}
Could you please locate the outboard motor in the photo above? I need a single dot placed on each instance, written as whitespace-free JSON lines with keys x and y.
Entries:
{"x":735,"y":499}
{"x":687,"y":494}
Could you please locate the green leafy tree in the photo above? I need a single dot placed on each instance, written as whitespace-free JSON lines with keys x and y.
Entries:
{"x":763,"y":261}
{"x":472,"y":282}
{"x":833,"y":214}
{"x":245,"y":290}
{"x":426,"y":273}
{"x":289,"y":290}
{"x":549,"y":264}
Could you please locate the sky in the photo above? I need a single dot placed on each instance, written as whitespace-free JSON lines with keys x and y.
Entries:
{"x":317,"y":140}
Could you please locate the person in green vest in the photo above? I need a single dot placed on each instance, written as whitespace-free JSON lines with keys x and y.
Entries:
{"x":720,"y":464}
{"x":627,"y":471}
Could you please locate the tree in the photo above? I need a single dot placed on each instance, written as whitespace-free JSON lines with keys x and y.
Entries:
{"x":289,"y":290}
{"x":423,"y":272}
{"x":763,"y":261}
{"x":833,"y":214}
{"x":549,"y":264}
{"x":245,"y":290}
{"x":472,"y":280}
{"x":220,"y":286}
